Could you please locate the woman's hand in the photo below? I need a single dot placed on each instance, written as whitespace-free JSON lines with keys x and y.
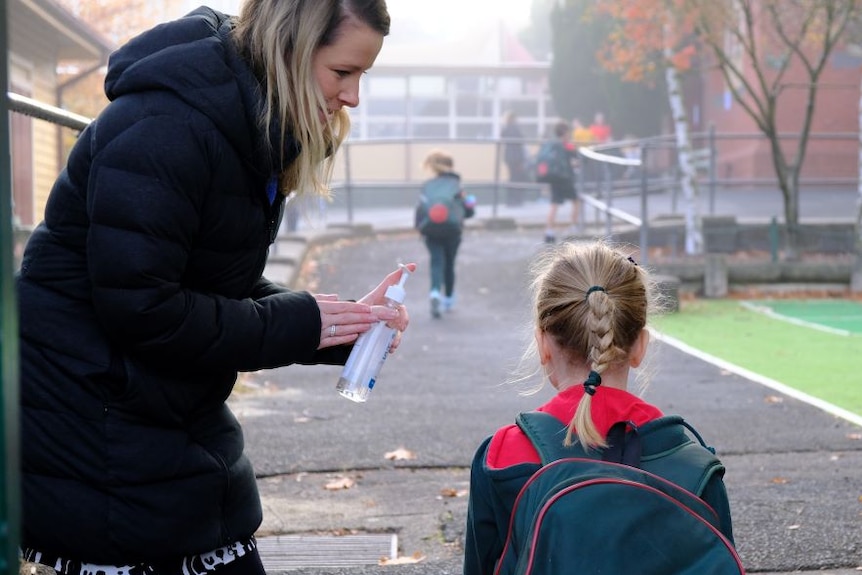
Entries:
{"x":341,"y":322}
{"x":377,"y":299}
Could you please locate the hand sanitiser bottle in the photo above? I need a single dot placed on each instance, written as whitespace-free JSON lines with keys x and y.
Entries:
{"x":370,"y":350}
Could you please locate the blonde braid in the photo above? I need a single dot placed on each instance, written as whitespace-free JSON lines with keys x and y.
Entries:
{"x":602,"y":353}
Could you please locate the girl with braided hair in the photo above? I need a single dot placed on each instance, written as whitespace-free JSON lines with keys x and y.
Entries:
{"x":590,"y":307}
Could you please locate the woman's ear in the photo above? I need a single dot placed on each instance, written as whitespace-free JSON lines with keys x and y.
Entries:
{"x":638,"y":351}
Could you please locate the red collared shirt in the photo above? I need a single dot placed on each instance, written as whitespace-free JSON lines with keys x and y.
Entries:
{"x":609,"y":405}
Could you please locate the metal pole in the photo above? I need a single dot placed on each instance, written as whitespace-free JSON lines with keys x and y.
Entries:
{"x":10,"y":499}
{"x":644,"y":240}
{"x":497,"y":157}
{"x":606,"y":170}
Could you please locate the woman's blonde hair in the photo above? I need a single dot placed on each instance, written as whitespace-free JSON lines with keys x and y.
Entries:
{"x":280,"y":38}
{"x":593,"y":300}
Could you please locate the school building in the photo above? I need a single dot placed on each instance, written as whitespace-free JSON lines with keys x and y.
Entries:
{"x":424,"y":92}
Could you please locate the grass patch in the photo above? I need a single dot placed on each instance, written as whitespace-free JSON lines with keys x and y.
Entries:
{"x":823,"y":365}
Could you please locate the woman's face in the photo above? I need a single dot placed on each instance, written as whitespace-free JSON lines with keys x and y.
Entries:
{"x":339,"y":66}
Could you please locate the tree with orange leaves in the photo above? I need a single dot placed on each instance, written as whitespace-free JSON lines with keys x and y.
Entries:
{"x":757,"y":45}
{"x":655,"y":37}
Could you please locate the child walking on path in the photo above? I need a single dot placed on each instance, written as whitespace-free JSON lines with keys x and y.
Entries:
{"x":590,"y":306}
{"x":440,"y":217}
{"x":561,"y":177}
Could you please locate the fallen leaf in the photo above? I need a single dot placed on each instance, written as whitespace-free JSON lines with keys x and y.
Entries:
{"x":774,"y":399}
{"x":780,"y":480}
{"x":792,"y":527}
{"x":854,"y":436}
{"x":450,"y":492}
{"x":415,"y":558}
{"x":339,"y":483}
{"x":400,"y":454}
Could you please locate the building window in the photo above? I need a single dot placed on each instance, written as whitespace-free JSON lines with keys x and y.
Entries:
{"x":429,"y":107}
{"x":377,"y":128}
{"x":428,"y":86}
{"x":474,"y":106}
{"x":475,"y":130}
{"x":386,"y":106}
{"x":436,"y":130}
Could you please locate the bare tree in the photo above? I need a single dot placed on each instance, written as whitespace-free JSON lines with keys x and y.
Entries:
{"x":745,"y":36}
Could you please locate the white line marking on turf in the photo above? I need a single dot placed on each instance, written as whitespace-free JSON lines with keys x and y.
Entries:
{"x":757,"y":378}
{"x":767,"y":311}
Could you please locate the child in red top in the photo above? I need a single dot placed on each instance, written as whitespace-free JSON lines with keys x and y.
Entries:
{"x":590,"y":306}
{"x":600,"y":131}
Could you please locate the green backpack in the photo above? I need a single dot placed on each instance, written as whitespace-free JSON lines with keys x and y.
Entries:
{"x":631,"y":508}
{"x":553,"y":162}
{"x":441,"y":210}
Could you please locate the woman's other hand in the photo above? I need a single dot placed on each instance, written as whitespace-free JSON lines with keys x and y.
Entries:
{"x":341,"y":321}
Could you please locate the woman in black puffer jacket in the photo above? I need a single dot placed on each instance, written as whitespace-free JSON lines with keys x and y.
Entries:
{"x":141,"y":294}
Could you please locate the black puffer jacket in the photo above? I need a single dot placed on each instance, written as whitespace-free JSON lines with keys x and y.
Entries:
{"x":141,"y":295}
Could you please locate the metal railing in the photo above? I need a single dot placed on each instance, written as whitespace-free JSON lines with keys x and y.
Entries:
{"x":36,"y":109}
{"x":617,"y":182}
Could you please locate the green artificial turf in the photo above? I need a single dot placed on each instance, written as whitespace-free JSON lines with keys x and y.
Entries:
{"x":824,"y":365}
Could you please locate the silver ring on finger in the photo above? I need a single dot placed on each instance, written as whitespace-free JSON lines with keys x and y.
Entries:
{"x":332,"y":330}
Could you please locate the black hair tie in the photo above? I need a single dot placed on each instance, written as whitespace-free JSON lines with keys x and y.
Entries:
{"x":593,"y":381}
{"x":592,"y":289}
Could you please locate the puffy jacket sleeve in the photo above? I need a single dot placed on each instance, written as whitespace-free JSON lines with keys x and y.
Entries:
{"x":147,"y":206}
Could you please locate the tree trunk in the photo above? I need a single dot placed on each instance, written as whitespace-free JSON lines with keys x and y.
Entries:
{"x":788,"y":183}
{"x":688,"y":176}
{"x":791,"y":216}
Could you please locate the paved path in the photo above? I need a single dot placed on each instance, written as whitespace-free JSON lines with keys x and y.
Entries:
{"x":794,"y":472}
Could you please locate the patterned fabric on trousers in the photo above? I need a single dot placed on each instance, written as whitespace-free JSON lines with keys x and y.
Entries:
{"x":203,"y":564}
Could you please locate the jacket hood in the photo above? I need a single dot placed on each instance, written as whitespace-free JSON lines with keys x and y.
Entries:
{"x":195,"y":59}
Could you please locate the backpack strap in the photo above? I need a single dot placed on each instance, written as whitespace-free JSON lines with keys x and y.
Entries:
{"x":547,"y":434}
{"x":662,"y":446}
{"x":673,"y":449}
{"x":623,"y":447}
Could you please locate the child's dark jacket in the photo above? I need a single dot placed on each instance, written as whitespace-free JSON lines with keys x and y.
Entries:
{"x":505,"y":461}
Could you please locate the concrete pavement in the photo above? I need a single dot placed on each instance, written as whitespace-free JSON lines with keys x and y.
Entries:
{"x":344,"y":484}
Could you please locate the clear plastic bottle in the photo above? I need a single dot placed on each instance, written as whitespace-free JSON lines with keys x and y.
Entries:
{"x":370,"y":351}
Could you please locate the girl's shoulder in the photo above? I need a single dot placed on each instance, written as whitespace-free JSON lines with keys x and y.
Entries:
{"x":509,"y":446}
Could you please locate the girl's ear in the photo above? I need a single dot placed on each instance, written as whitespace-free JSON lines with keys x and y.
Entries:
{"x":638,"y":351}
{"x":543,"y":347}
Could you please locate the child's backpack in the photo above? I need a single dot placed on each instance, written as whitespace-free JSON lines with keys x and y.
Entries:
{"x":631,"y":508}
{"x":441,"y":209}
{"x":553,"y":162}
